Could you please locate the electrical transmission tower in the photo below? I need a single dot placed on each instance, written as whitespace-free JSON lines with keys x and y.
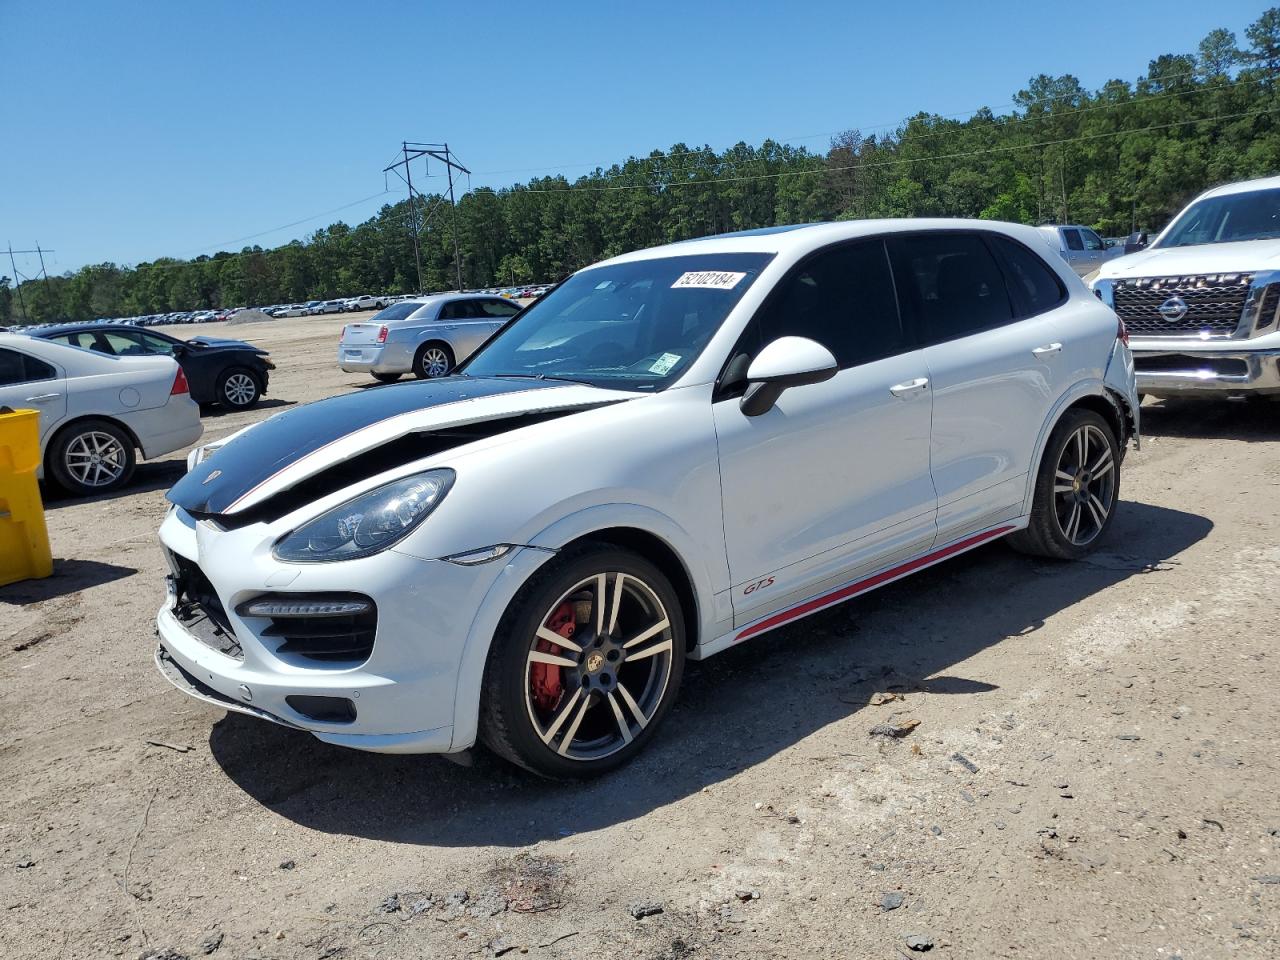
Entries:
{"x":438,"y":151}
{"x":18,"y":278}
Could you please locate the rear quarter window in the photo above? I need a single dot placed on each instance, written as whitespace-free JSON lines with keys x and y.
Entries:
{"x":1033,"y":285}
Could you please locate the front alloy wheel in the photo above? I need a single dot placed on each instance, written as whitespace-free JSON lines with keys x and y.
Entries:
{"x":238,"y":389}
{"x":585,"y":666}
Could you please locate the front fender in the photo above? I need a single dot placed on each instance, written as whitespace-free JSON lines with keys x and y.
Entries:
{"x":707,"y":579}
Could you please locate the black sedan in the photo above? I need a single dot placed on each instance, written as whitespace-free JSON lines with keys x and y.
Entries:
{"x":230,"y":372}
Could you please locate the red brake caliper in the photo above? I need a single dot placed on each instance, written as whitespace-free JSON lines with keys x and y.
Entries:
{"x":545,"y":677}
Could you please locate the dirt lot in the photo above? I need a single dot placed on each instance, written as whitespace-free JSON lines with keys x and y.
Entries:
{"x":1094,"y":773}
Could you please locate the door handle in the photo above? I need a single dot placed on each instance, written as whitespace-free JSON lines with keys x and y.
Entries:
{"x":1048,"y":350}
{"x":44,"y":398}
{"x":910,"y":388}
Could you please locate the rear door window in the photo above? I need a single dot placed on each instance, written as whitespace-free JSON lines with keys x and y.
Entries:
{"x":950,"y":283}
{"x":498,"y":308}
{"x":1073,"y":239}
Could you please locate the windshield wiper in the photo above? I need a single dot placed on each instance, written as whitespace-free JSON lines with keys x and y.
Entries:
{"x":536,"y":376}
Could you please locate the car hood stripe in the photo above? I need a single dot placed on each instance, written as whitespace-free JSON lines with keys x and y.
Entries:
{"x":292,"y":445}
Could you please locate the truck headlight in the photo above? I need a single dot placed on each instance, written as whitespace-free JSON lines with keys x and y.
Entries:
{"x":368,"y":523}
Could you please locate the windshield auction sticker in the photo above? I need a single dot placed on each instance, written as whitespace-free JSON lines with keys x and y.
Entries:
{"x":708,"y":280}
{"x":662,"y":366}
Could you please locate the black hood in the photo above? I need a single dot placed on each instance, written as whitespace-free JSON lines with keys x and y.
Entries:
{"x":249,"y":460}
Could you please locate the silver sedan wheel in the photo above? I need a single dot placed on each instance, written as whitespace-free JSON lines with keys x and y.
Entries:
{"x":1084,"y":485}
{"x":599,"y":666}
{"x":239,"y":389}
{"x":435,"y":362}
{"x":95,"y":459}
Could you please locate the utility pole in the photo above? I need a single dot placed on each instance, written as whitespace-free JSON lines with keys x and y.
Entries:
{"x":439,"y":151}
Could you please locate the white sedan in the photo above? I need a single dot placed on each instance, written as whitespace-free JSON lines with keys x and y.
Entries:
{"x":96,"y":409}
{"x":674,"y":451}
{"x":425,"y":336}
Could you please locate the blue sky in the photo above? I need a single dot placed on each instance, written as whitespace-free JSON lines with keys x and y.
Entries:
{"x":138,"y":129}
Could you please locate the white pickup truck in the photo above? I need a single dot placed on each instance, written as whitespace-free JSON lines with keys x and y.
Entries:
{"x":1201,"y":304}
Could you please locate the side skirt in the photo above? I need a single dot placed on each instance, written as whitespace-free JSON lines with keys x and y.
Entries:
{"x":858,"y":587}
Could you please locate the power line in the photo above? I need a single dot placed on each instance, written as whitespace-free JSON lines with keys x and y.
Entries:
{"x":284,"y":226}
{"x":888,"y":163}
{"x":899,"y":123}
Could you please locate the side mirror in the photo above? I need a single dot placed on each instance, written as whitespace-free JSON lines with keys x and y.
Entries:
{"x":786,"y":362}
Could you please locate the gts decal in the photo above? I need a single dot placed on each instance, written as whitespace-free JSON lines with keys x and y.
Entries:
{"x":758,"y":585}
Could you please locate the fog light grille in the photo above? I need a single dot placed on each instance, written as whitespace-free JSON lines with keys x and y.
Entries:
{"x":323,"y":627}
{"x":323,"y":709}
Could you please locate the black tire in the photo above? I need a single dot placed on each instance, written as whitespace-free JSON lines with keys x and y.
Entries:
{"x":508,"y":698}
{"x":1057,"y":499}
{"x":429,"y":352}
{"x":238,"y":388}
{"x":387,"y":377}
{"x":69,"y":459}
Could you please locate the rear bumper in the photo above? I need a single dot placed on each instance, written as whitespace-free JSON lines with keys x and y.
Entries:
{"x":379,"y":358}
{"x":162,"y":430}
{"x":1180,"y":372}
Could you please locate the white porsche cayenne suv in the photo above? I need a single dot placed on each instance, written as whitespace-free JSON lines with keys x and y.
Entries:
{"x":672,"y":452}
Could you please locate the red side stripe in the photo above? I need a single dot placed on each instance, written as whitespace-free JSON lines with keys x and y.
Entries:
{"x":861,"y":586}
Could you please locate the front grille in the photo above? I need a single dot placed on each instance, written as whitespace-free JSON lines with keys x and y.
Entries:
{"x":326,"y":638}
{"x":1214,"y":303}
{"x":200,"y":611}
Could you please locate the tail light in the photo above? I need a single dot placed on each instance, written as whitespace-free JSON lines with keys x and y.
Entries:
{"x":343,"y":335}
{"x":180,"y":385}
{"x":382,"y":334}
{"x":1122,"y":333}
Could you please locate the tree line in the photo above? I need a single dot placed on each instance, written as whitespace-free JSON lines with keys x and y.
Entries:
{"x":1124,"y":157}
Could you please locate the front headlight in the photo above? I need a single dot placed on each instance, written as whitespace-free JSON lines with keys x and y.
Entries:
{"x":371,"y":522}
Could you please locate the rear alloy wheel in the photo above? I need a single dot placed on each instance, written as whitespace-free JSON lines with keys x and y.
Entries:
{"x":238,"y":389}
{"x":585,"y":666}
{"x":432,"y":360}
{"x":1076,"y":489}
{"x":92,"y":457}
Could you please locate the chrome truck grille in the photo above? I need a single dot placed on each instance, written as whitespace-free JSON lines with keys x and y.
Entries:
{"x":1208,"y":305}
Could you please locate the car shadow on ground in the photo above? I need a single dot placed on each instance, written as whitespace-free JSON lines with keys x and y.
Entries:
{"x":68,"y":576}
{"x":1255,"y":420}
{"x":215,"y":411}
{"x":157,"y":475}
{"x":735,"y":710}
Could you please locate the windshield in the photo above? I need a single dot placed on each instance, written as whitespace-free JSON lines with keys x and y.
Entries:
{"x":1236,"y":216}
{"x":632,"y":326}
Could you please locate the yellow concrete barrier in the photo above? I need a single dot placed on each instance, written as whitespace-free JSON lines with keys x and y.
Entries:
{"x":24,"y":539}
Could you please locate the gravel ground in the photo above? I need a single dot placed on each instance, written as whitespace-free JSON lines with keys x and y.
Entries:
{"x":1093,"y":774}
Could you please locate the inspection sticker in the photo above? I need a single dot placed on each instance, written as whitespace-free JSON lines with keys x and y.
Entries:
{"x":708,"y":280}
{"x":662,"y":366}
